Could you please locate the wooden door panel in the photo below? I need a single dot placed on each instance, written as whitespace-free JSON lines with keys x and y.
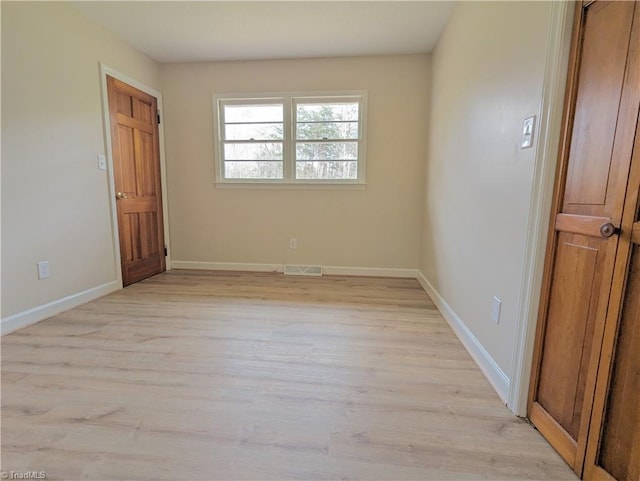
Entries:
{"x":143,"y":268}
{"x":577,"y":292}
{"x":126,"y":176}
{"x":600,"y":150}
{"x":134,"y":123}
{"x":146,"y":176}
{"x":142,"y":244}
{"x":149,"y":243}
{"x":580,"y":224}
{"x":138,"y":205}
{"x":134,"y":128}
{"x":614,"y":442}
{"x":133,"y":244}
{"x":614,"y":437}
{"x":635,"y":233}
{"x":601,"y":114}
{"x":142,"y":111}
{"x":620,"y":448}
{"x":122,"y":103}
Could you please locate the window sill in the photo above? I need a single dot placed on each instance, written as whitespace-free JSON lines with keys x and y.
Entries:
{"x":293,"y":185}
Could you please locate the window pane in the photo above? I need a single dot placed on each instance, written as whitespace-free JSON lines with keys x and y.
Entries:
{"x":253,"y":132}
{"x":253,"y":170}
{"x":253,"y":151}
{"x":347,"y":111}
{"x":327,"y":130}
{"x":344,"y":170}
{"x":253,"y":113}
{"x":327,"y":151}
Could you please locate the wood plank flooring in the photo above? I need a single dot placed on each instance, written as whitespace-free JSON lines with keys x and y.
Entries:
{"x":194,"y":375}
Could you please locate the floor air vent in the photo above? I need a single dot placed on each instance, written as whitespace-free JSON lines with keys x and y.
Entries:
{"x":293,"y":270}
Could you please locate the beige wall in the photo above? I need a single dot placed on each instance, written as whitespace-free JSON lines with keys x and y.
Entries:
{"x":375,"y":227}
{"x":54,"y":198}
{"x":464,"y":228}
{"x":488,"y":73}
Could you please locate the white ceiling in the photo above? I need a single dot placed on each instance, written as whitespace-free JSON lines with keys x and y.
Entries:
{"x":187,"y":31}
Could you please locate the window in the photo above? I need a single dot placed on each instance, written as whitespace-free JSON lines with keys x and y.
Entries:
{"x":327,"y":138}
{"x":291,"y":138}
{"x":252,"y":139}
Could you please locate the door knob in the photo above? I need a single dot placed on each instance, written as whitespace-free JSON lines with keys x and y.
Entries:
{"x":608,"y":229}
{"x":121,"y":195}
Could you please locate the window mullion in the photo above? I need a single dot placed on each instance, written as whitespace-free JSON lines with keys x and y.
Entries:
{"x":289,"y":141}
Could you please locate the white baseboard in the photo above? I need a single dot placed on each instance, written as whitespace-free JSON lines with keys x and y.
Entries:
{"x":496,"y":376}
{"x":227,"y":266}
{"x":328,"y":270}
{"x":37,"y":314}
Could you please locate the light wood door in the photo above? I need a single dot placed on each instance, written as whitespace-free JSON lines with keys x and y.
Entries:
{"x":613,"y":450}
{"x":600,"y":122}
{"x":136,"y":160}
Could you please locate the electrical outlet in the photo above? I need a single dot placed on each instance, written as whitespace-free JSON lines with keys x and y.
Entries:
{"x":43,"y":269}
{"x":293,"y":243}
{"x":496,"y":306}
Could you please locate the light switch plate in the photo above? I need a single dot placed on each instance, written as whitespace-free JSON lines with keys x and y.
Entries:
{"x":43,"y":269}
{"x":102,"y":162}
{"x":496,"y":307}
{"x":527,"y":132}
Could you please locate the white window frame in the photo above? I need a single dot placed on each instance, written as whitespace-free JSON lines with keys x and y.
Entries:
{"x":289,"y":100}
{"x":220,"y":104}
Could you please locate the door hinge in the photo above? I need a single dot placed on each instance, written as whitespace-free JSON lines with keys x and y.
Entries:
{"x":158,"y":116}
{"x":165,"y":251}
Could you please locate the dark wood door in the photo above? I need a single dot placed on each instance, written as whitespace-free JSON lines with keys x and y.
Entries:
{"x":136,"y":160}
{"x":600,"y":121}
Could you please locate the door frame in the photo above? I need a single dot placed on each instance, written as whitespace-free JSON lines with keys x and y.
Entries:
{"x":104,"y":71}
{"x":546,"y":159}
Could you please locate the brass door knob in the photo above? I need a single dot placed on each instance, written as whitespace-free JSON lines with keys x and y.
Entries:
{"x":121,"y":195}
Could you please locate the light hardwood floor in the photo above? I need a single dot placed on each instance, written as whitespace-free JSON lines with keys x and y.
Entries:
{"x":241,"y":376}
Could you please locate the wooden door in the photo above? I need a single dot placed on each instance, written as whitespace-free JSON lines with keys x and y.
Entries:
{"x":600,"y":120}
{"x":613,"y":450}
{"x":136,"y":161}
